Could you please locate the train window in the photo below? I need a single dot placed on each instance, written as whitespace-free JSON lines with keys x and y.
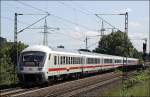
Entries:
{"x":81,"y":60}
{"x":90,"y":60}
{"x":118,"y":61}
{"x":68,"y":60}
{"x":107,"y":60}
{"x":87,"y":60}
{"x":98,"y":61}
{"x":95,"y":61}
{"x":71,"y":60}
{"x":49,"y":56}
{"x":55,"y":60}
{"x":58,"y":60}
{"x":64,"y":60}
{"x":61,"y":60}
{"x":76,"y":60}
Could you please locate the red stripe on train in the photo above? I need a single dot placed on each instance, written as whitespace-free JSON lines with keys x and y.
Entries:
{"x":79,"y":67}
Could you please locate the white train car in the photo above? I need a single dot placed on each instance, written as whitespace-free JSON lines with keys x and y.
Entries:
{"x":42,"y":64}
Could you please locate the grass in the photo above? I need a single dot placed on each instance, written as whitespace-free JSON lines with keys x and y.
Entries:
{"x":139,"y":89}
{"x":138,"y":85}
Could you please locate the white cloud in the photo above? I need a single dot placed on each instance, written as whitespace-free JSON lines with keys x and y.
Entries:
{"x":77,"y":28}
{"x":134,"y":24}
{"x":128,"y":10}
{"x":81,"y":35}
{"x":92,"y":33}
{"x":137,"y":39}
{"x":123,"y":10}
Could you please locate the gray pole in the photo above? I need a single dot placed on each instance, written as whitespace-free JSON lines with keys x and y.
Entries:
{"x":15,"y":29}
{"x":86,"y":42}
{"x":15,"y":44}
{"x":149,"y":44}
{"x":102,"y":29}
{"x":45,"y":42}
{"x":126,"y":31}
{"x":126,"y":23}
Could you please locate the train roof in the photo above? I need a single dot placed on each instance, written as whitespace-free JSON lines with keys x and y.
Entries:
{"x":37,"y":48}
{"x":62,"y":50}
{"x":66,"y":51}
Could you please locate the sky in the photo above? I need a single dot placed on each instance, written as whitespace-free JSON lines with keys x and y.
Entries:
{"x":75,"y":20}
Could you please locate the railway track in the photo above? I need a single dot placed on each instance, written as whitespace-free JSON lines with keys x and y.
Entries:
{"x":71,"y":91}
{"x":60,"y":89}
{"x":13,"y":91}
{"x":9,"y":89}
{"x":66,"y":89}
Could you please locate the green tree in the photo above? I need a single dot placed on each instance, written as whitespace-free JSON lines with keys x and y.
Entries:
{"x":8,"y":62}
{"x":117,"y":43}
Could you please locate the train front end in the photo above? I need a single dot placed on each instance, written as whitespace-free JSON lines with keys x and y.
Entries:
{"x":31,"y":67}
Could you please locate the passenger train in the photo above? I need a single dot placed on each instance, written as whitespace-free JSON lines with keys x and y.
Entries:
{"x":41,"y":64}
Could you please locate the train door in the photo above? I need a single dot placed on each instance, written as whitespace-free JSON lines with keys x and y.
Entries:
{"x":58,"y":63}
{"x":55,"y":64}
{"x":83,"y":64}
{"x":49,"y":64}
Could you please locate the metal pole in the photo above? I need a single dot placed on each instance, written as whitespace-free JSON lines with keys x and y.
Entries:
{"x":126,"y":31}
{"x":126,"y":54}
{"x":86,"y":42}
{"x":149,"y":46}
{"x":15,"y":44}
{"x":126,"y":23}
{"x":102,"y":29}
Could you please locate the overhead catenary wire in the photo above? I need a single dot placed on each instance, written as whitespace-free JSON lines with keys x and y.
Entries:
{"x":71,"y":36}
{"x":87,"y":11}
{"x":74,"y":8}
{"x":95,"y":15}
{"x":12,"y":20}
{"x":80,"y":10}
{"x":66,"y":20}
{"x":31,"y":6}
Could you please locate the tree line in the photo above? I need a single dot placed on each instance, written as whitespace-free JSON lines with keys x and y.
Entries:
{"x":8,"y":62}
{"x":116,"y":43}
